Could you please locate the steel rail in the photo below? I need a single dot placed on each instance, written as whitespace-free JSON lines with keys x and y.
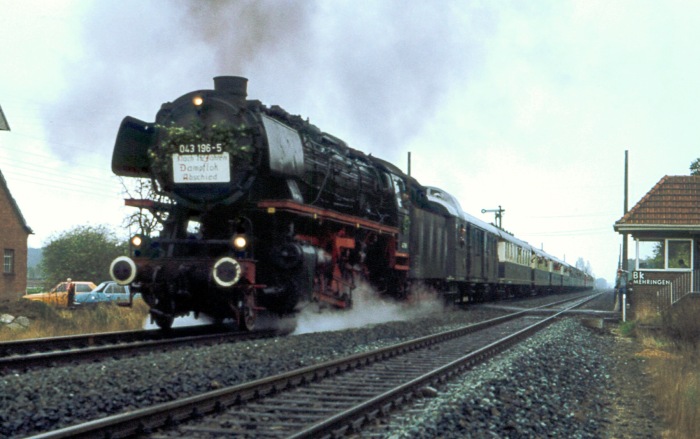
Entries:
{"x":148,"y":419}
{"x":51,"y":358}
{"x":46,"y":344}
{"x":71,"y":342}
{"x":353,"y":418}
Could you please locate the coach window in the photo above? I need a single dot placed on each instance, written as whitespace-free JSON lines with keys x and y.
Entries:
{"x":462,"y":235}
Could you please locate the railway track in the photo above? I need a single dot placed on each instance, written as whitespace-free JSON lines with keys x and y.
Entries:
{"x":328,"y":399}
{"x":50,"y":351}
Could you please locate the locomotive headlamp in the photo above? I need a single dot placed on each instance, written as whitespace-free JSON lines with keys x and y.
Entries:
{"x":240,"y":242}
{"x":197,"y":101}
{"x":136,"y":241}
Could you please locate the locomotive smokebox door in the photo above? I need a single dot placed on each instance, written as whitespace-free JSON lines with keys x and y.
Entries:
{"x":208,"y":146}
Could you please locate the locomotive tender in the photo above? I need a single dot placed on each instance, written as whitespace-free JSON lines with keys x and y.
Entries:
{"x":266,"y":212}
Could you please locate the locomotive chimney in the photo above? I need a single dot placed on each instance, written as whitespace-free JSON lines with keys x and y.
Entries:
{"x":234,"y":85}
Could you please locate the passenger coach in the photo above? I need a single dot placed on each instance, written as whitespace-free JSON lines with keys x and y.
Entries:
{"x":472,"y":260}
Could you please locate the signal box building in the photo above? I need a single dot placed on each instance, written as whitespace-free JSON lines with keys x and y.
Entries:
{"x":665,"y":229}
{"x":14,"y":233}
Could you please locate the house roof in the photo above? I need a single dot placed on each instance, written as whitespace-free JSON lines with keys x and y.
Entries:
{"x":673,"y":204}
{"x":4,"y":126}
{"x":15,"y":207}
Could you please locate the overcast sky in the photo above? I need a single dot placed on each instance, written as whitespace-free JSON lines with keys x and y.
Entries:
{"x":525,"y":105}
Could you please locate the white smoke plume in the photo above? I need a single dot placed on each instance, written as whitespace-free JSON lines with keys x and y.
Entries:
{"x":368,"y":308}
{"x":371,"y":73}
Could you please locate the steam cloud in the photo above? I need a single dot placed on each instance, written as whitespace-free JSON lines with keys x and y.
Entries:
{"x":368,"y":308}
{"x":371,"y":73}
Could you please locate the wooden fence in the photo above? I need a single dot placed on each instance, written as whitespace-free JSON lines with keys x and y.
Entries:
{"x":686,"y":283}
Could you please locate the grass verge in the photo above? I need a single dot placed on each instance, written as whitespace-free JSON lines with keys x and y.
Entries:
{"x":672,"y":352}
{"x":49,"y":321}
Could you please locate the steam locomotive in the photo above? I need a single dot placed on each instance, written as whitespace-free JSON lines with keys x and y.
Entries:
{"x":263,"y":211}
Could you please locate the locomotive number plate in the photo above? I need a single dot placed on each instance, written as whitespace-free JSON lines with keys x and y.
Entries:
{"x":201,"y":168}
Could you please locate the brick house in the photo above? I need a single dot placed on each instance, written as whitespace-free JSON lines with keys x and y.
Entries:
{"x":14,"y":233}
{"x":665,"y":227}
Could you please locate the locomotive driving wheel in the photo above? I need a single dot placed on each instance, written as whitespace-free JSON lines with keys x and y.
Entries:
{"x":163,"y":321}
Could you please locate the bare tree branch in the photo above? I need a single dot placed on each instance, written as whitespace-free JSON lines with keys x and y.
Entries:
{"x":145,"y":221}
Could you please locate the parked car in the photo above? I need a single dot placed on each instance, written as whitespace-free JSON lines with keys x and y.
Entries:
{"x":108,"y":291}
{"x":58,"y":295}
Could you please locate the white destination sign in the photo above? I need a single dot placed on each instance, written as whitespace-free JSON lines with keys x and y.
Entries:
{"x":201,"y":168}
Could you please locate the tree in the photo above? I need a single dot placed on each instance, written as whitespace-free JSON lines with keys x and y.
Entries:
{"x":82,"y":253}
{"x":584,"y":266}
{"x":695,"y":167}
{"x":144,"y":221}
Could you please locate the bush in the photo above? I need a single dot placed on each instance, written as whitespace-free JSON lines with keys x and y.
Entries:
{"x":680,"y":323}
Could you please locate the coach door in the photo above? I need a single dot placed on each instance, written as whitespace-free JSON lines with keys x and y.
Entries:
{"x":493,"y":258}
{"x":477,"y":252}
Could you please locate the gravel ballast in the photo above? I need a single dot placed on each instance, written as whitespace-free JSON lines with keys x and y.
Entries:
{"x":557,"y":384}
{"x":561,"y":383}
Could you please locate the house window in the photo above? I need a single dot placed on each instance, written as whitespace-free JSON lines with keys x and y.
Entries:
{"x":664,"y":254}
{"x":9,"y":261}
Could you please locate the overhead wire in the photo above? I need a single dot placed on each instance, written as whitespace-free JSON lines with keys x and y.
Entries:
{"x":578,"y":232}
{"x":36,"y":171}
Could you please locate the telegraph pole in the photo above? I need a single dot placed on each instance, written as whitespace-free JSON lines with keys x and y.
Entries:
{"x":624,"y":235}
{"x":623,"y":299}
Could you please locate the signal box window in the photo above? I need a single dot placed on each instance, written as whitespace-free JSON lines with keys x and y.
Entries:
{"x":650,"y":255}
{"x":679,"y":254}
{"x":664,"y":254}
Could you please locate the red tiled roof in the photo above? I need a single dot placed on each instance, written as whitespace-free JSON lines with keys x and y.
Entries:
{"x":673,"y":203}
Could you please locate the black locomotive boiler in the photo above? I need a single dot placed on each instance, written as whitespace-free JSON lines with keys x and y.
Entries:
{"x":264,"y":211}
